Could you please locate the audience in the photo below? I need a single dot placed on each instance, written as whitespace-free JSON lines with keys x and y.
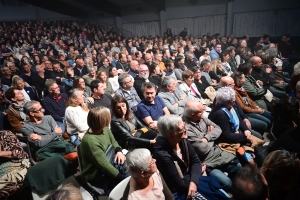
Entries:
{"x":69,"y":54}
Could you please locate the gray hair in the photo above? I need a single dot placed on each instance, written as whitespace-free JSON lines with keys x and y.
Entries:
{"x":121,"y":79}
{"x":167,"y":81}
{"x":225,"y":94}
{"x":28,"y":106}
{"x":297,"y":68}
{"x":90,"y":68}
{"x":188,"y":53}
{"x":73,"y":92}
{"x":148,"y":85}
{"x":272,"y":52}
{"x":230,"y":48}
{"x":168,"y":124}
{"x":49,"y":83}
{"x":297,"y":86}
{"x":189,"y":110}
{"x":137,"y":161}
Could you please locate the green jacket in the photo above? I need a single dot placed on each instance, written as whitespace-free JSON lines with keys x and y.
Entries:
{"x":93,"y":149}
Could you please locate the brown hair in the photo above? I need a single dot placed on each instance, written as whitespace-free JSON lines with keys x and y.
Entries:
{"x":98,"y":118}
{"x":187,"y":74}
{"x":120,"y":99}
{"x":99,"y":73}
{"x":76,"y":82}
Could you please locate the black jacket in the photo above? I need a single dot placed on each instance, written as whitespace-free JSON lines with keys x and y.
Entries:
{"x":122,"y":134}
{"x":83,"y":71}
{"x":165,"y":157}
{"x":138,"y":82}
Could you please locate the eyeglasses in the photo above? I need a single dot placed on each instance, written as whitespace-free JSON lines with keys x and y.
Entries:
{"x":185,"y":128}
{"x":39,"y":110}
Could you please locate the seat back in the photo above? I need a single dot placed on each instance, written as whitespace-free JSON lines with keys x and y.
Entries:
{"x":79,"y":158}
{"x":117,"y":192}
{"x":31,"y":154}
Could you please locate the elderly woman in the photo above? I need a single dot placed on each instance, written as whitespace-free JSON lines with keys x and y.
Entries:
{"x":172,"y":96}
{"x":90,"y":76}
{"x":249,"y":107}
{"x":178,"y":162}
{"x":87,"y":92}
{"x":281,"y":170}
{"x":102,"y":76}
{"x":76,"y":116}
{"x":96,"y":168}
{"x":234,"y":129}
{"x":146,"y":181}
{"x":189,"y":88}
{"x":127,"y":129}
{"x":20,"y":84}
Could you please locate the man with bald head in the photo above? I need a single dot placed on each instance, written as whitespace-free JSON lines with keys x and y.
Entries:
{"x":254,"y":124}
{"x":140,"y":79}
{"x":262,"y":74}
{"x":148,"y":59}
{"x":202,"y":134}
{"x":134,"y":68}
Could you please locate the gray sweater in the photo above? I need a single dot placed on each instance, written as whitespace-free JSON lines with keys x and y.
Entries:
{"x":44,"y":129}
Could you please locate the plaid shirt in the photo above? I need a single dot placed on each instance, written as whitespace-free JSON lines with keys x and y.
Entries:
{"x":132,"y":97}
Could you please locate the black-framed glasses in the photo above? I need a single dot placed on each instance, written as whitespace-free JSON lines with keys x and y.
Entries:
{"x":39,"y":110}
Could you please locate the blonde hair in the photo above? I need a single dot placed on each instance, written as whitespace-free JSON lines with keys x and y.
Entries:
{"x":72,"y":95}
{"x":214,"y":64}
{"x":98,"y":118}
{"x":67,"y":192}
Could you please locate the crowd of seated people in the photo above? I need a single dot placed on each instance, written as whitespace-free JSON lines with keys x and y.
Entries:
{"x":199,"y":105}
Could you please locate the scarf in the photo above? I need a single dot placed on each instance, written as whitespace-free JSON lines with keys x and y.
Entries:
{"x":241,"y":91}
{"x":20,"y":109}
{"x":233,"y":118}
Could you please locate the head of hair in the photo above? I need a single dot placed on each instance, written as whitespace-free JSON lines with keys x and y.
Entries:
{"x":90,"y":68}
{"x":281,"y":168}
{"x":272,"y":52}
{"x":28,"y":106}
{"x":168,"y":124}
{"x":195,"y":69}
{"x":187,"y":74}
{"x":297,"y":68}
{"x":15,"y":80}
{"x":224,"y":95}
{"x":49,"y":83}
{"x":99,"y":74}
{"x":223,"y":54}
{"x":121,"y":79}
{"x":189,"y":109}
{"x":152,"y":68}
{"x":236,"y":76}
{"x":204,"y":62}
{"x":98,"y":118}
{"x":148,"y":85}
{"x":266,"y":59}
{"x":67,"y":192}
{"x":137,"y":162}
{"x":72,"y":95}
{"x":249,"y":184}
{"x":109,"y":71}
{"x":94,"y":84}
{"x":168,"y":63}
{"x":240,"y":50}
{"x":10,"y":93}
{"x":167,"y":81}
{"x":120,"y":99}
{"x":245,"y":68}
{"x":76,"y":82}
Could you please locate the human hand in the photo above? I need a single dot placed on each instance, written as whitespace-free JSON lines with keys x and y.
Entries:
{"x":182,"y":97}
{"x":35,"y":137}
{"x":120,"y":158}
{"x":248,"y":135}
{"x":261,"y":111}
{"x":204,"y":140}
{"x":203,"y":167}
{"x":248,"y":124}
{"x":175,"y":105}
{"x":57,"y":130}
{"x":90,"y":100}
{"x":192,"y":190}
{"x":153,"y":141}
{"x":210,"y":128}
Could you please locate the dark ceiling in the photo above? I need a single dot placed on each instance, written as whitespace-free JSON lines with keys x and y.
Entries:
{"x":80,"y":8}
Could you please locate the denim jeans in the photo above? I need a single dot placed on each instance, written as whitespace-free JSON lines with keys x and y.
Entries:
{"x":74,"y":140}
{"x":265,"y":117}
{"x":225,"y":181}
{"x":61,"y":125}
{"x":277,"y":93}
{"x":258,"y":125}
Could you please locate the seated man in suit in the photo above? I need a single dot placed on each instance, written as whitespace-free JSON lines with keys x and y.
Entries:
{"x":151,"y":107}
{"x":202,"y":134}
{"x":172,"y":96}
